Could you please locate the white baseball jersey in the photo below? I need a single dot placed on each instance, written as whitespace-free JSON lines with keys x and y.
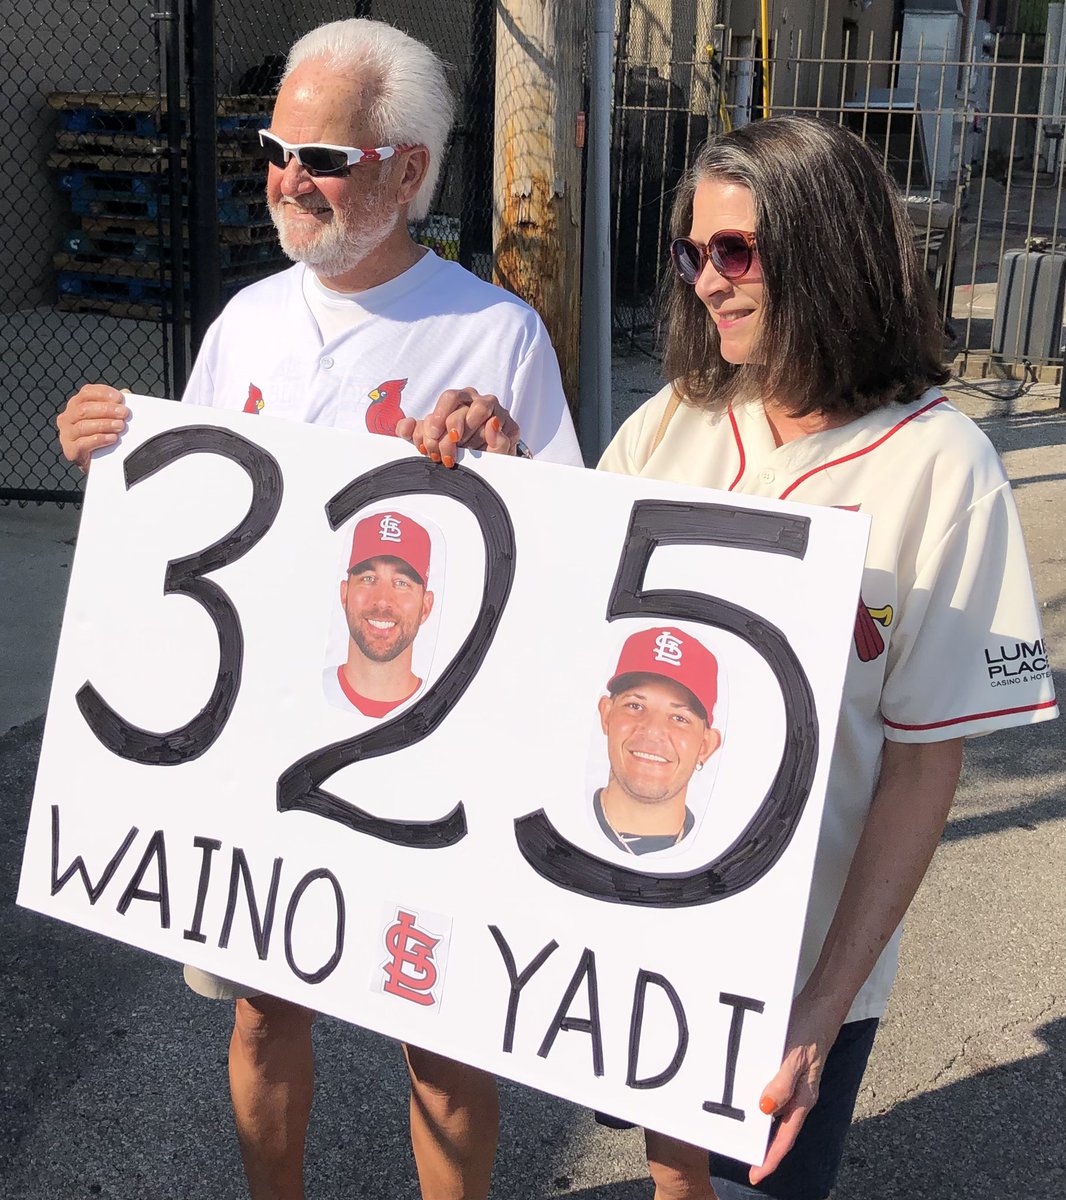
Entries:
{"x":948,"y":641}
{"x":434,"y":327}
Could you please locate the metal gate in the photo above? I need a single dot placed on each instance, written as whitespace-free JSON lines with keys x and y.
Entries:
{"x":969,"y":123}
{"x":136,"y":204}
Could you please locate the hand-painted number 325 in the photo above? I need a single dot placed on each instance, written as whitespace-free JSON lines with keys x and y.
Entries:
{"x":653,"y":523}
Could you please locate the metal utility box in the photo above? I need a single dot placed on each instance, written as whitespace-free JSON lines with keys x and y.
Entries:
{"x":930,"y":50}
{"x":1029,"y":304}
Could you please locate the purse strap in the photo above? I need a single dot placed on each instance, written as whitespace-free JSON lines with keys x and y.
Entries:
{"x":671,"y":407}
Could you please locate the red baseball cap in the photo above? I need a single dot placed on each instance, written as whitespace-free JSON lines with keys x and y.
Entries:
{"x":673,"y":655}
{"x":390,"y":535}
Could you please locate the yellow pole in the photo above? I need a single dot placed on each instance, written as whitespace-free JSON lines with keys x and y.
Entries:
{"x":765,"y":59}
{"x":718,"y":79}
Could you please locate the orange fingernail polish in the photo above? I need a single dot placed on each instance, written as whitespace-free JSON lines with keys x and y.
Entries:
{"x":449,"y":461}
{"x":421,"y":449}
{"x":495,"y":423}
{"x":767,"y":1105}
{"x":435,"y":457}
{"x":453,"y":435}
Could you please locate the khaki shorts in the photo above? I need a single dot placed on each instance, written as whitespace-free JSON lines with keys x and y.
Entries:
{"x":214,"y":987}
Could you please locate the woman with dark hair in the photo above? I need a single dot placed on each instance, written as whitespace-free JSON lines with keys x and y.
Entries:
{"x":804,"y":352}
{"x":804,"y":349}
{"x":846,"y":322}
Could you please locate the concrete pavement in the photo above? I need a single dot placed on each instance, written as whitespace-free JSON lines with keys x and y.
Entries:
{"x":113,"y":1076}
{"x":36,"y":550}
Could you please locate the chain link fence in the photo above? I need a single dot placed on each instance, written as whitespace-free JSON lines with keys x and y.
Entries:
{"x":54,"y":61}
{"x":104,"y":278}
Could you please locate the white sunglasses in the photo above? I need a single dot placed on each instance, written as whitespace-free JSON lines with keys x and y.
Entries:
{"x":317,"y":158}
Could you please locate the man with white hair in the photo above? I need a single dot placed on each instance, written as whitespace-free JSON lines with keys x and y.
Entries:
{"x":367,"y":331}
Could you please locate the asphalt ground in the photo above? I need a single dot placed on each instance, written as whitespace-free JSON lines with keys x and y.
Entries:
{"x":112,"y":1074}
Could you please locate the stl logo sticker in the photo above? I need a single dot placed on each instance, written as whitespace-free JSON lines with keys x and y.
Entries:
{"x":416,"y":953}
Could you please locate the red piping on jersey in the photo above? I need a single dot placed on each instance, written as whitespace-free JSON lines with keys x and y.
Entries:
{"x":740,"y":448}
{"x":1002,"y":712}
{"x":865,"y":450}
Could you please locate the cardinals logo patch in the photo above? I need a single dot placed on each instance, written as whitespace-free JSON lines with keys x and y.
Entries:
{"x":869,"y":644}
{"x":255,"y":402}
{"x":385,"y":410}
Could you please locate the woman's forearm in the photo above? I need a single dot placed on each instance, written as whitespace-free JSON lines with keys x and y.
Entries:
{"x":907,"y":817}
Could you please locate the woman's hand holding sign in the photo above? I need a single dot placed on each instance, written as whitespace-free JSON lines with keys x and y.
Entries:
{"x":908,"y":812}
{"x":793,"y":1091}
{"x":463,"y":419}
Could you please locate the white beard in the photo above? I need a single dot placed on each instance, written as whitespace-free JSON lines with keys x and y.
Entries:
{"x":336,"y":248}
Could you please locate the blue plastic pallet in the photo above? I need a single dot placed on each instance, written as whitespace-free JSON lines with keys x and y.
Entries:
{"x":132,"y":249}
{"x":230,"y":212}
{"x":140,"y":124}
{"x":125,"y":289}
{"x":118,"y":185}
{"x":109,"y":287}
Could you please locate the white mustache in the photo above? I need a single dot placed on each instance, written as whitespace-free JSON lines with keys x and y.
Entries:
{"x":304,"y":207}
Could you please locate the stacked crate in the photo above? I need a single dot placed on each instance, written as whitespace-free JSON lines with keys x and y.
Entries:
{"x":110,"y":159}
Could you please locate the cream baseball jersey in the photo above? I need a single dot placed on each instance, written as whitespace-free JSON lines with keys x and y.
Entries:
{"x":947,"y":638}
{"x":434,"y":327}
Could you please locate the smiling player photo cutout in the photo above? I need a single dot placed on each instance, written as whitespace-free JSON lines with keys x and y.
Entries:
{"x":386,"y":600}
{"x":658,"y":718}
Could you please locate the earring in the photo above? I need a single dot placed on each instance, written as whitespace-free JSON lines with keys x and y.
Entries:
{"x":699,"y":766}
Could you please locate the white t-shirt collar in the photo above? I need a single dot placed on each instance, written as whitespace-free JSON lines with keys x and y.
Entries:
{"x":337,"y":313}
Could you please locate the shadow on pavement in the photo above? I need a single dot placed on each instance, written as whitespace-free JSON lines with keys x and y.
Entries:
{"x":630,"y":1189}
{"x":113,"y":1077}
{"x":1011,"y":430}
{"x":997,"y":1133}
{"x":1021,"y":816}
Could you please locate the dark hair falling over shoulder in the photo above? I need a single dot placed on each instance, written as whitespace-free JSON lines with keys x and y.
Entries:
{"x":849,"y":322}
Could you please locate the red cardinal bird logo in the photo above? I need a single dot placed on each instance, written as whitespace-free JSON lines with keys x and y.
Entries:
{"x":255,"y":402}
{"x":385,"y":410}
{"x":869,"y":644}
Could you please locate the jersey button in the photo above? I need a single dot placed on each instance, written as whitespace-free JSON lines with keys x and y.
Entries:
{"x":767,"y":476}
{"x":326,"y":363}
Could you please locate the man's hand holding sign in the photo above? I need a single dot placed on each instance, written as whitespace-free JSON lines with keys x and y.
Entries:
{"x":94,"y":419}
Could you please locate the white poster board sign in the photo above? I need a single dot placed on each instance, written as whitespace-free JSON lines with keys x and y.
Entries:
{"x":443,"y":861}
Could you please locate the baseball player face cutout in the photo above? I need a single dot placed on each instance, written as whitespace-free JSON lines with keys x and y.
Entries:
{"x":656,"y":739}
{"x":351,"y":230}
{"x":385,"y":602}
